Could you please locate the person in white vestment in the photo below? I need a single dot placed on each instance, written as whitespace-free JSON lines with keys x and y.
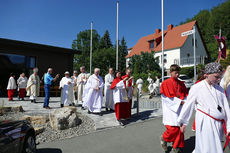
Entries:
{"x":11,"y":87}
{"x":93,"y":98}
{"x":33,"y":86}
{"x":81,"y":82}
{"x":66,"y":86}
{"x":225,"y":83}
{"x":139,"y":84}
{"x":212,"y":109}
{"x":22,"y":82}
{"x":150,"y":87}
{"x":74,"y":77}
{"x":109,"y":104}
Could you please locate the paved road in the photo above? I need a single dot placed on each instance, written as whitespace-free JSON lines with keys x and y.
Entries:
{"x":136,"y":138}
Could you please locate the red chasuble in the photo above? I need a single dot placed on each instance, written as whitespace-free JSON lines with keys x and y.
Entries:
{"x":174,"y":88}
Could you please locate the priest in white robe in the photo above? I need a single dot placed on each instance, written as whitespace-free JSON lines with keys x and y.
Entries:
{"x":93,"y":98}
{"x":33,"y":86}
{"x":11,"y":87}
{"x":81,"y":82}
{"x":212,"y":109}
{"x":109,"y":104}
{"x":66,"y":86}
{"x":74,"y":77}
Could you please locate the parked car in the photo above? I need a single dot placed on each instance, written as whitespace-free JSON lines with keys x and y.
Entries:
{"x":187,"y":81}
{"x":17,"y":137}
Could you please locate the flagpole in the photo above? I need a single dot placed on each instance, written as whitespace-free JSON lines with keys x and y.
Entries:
{"x":117,"y":37}
{"x":162,"y":36}
{"x":91,"y":47}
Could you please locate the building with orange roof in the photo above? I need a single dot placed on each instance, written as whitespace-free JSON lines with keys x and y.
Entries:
{"x":177,"y":49}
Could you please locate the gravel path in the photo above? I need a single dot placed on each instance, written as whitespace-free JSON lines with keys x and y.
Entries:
{"x":86,"y":126}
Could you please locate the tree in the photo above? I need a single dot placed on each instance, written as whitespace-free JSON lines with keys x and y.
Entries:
{"x":82,"y":43}
{"x":122,"y":53}
{"x":105,"y":41}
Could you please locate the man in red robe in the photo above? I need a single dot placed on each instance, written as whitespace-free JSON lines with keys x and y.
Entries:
{"x":129,"y":85}
{"x":173,"y":94}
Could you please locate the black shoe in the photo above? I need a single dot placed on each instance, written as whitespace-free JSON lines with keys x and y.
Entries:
{"x":106,"y":109}
{"x":89,"y":112}
{"x":82,"y":108}
{"x":62,"y":105}
{"x":73,"y":104}
{"x":23,"y":99}
{"x":100,"y":114}
{"x":70,"y":104}
{"x":121,"y":123}
{"x":32,"y":101}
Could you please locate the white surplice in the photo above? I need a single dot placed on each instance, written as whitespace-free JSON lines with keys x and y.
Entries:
{"x":81,"y":82}
{"x":171,"y":108}
{"x":120,"y":93}
{"x":67,"y":90}
{"x":108,"y":92}
{"x":11,"y":83}
{"x":93,"y":99}
{"x":22,"y":82}
{"x":208,"y":131}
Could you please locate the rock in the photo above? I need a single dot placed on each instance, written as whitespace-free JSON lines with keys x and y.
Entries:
{"x":41,"y":120}
{"x":15,"y":109}
{"x":38,"y":130}
{"x":63,"y":118}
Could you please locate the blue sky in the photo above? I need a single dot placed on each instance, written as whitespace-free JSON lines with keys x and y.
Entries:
{"x":57,"y":22}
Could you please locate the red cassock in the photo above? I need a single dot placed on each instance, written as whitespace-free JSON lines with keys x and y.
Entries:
{"x":121,"y":108}
{"x":11,"y":93}
{"x":22,"y":92}
{"x":174,"y":88}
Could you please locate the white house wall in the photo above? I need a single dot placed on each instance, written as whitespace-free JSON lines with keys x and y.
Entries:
{"x":171,"y":56}
{"x":187,"y":49}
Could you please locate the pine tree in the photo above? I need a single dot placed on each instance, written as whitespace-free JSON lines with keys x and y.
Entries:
{"x":105,"y":41}
{"x":123,"y":52}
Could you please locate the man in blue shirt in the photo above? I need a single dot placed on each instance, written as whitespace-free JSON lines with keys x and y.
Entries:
{"x":48,"y":79}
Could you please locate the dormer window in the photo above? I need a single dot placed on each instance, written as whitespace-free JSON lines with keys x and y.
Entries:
{"x":152,"y":44}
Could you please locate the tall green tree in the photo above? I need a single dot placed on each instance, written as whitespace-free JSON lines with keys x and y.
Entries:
{"x":82,"y":43}
{"x":122,"y":53}
{"x":105,"y":41}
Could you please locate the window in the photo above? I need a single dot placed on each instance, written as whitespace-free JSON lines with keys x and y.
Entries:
{"x":152,"y":44}
{"x":165,"y":58}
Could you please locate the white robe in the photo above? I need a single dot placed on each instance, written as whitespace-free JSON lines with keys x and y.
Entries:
{"x":81,"y":86}
{"x":120,"y":93}
{"x":222,"y":83}
{"x":33,"y":86}
{"x":66,"y":90}
{"x":22,"y":82}
{"x":140,"y":83}
{"x":108,"y":92}
{"x":11,"y":83}
{"x":208,"y":130}
{"x":93,"y":99}
{"x":171,"y":108}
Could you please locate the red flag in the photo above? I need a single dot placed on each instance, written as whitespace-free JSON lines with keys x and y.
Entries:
{"x":222,"y":46}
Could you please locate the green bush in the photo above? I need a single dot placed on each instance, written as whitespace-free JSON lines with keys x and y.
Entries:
{"x":189,"y":71}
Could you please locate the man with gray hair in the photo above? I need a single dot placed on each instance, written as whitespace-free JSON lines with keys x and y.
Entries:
{"x":81,"y":82}
{"x":33,"y":86}
{"x":92,"y":96}
{"x":48,"y":79}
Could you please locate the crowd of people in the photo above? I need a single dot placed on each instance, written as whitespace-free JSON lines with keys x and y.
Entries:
{"x":83,"y":90}
{"x":210,"y":97}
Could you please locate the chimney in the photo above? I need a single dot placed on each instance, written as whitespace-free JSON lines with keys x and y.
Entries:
{"x":157,"y":31}
{"x":170,"y":27}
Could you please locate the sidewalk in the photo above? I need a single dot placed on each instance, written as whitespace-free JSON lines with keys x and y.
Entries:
{"x":108,"y":120}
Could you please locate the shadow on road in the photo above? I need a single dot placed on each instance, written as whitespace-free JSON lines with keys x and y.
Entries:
{"x":49,"y":150}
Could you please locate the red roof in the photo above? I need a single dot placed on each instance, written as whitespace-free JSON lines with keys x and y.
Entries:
{"x":172,"y":39}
